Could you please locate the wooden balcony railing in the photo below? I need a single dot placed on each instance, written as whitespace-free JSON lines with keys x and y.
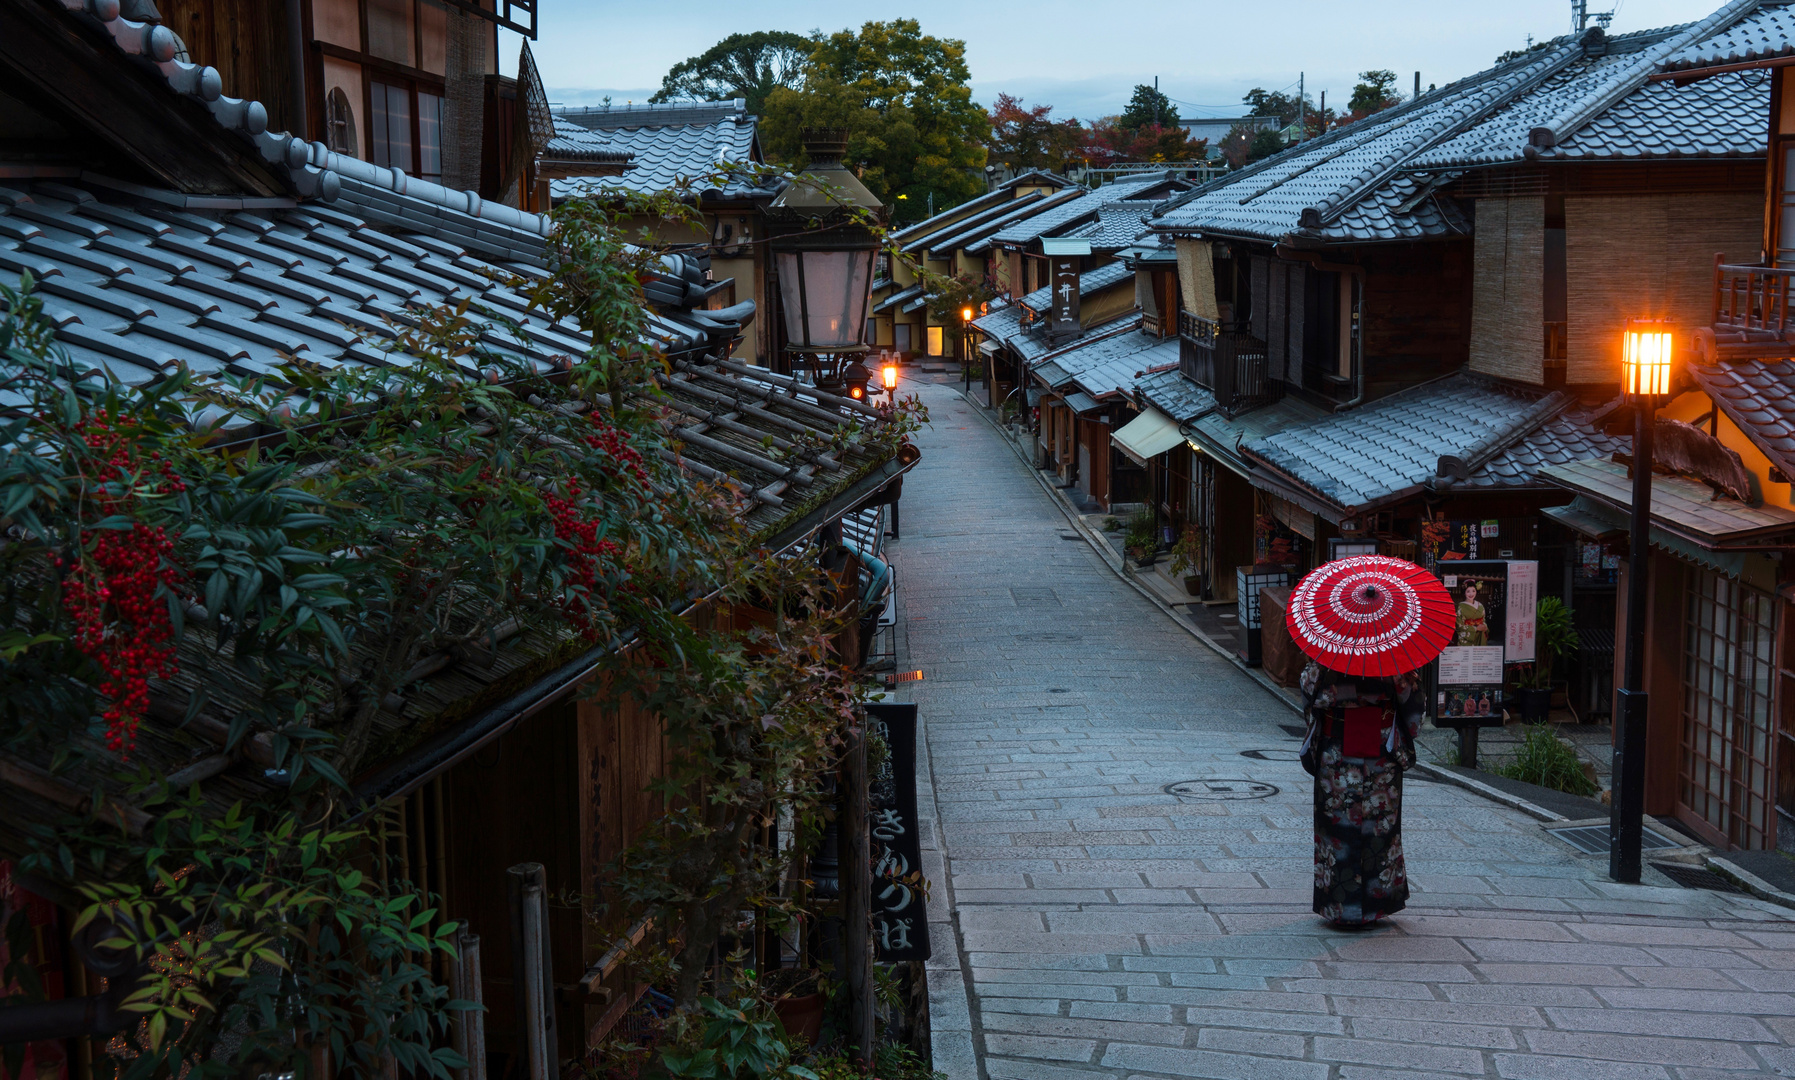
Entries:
{"x":1751,"y":310}
{"x":1229,"y":363}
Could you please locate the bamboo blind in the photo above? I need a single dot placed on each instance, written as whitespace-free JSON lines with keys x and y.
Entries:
{"x":1646,"y":256}
{"x":1508,"y":299}
{"x":1196,"y":274}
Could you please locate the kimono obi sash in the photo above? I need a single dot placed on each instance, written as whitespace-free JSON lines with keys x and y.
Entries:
{"x":1362,"y":730}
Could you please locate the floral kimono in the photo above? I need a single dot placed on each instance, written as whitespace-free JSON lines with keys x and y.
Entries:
{"x":1361,"y":736}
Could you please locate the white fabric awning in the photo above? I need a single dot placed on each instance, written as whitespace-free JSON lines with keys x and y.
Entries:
{"x":1148,"y":435}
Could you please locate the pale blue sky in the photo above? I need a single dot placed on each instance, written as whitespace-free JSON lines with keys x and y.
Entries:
{"x":1084,"y":58}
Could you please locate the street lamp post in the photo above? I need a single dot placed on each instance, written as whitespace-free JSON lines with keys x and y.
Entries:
{"x":1645,"y":380}
{"x":966,"y":346}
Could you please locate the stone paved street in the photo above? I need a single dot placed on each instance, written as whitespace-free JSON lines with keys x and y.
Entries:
{"x":1087,"y":923}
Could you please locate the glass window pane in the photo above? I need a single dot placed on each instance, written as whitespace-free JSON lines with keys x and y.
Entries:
{"x":430,"y":120}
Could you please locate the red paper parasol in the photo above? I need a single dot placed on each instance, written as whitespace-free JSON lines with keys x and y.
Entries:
{"x":1371,"y":615}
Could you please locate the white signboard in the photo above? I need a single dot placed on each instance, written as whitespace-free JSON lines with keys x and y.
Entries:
{"x":1523,"y":602}
{"x":1471,"y":665}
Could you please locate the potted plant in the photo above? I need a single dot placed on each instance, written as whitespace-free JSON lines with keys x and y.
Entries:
{"x":1185,"y":555}
{"x":1142,"y":539}
{"x":1553,"y":637}
{"x":799,"y":1002}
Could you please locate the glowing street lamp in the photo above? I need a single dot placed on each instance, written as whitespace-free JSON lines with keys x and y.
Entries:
{"x":1647,"y":364}
{"x":888,"y":375}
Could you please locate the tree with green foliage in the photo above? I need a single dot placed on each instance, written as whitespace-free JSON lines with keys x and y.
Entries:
{"x":740,"y":66}
{"x":902,"y":96}
{"x":1375,"y":92}
{"x":1148,"y":108}
{"x":1276,"y":103}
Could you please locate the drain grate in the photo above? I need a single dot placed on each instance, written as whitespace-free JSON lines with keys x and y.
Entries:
{"x":1593,"y":839}
{"x":1295,"y":731}
{"x":1694,"y":877}
{"x":1035,"y":596}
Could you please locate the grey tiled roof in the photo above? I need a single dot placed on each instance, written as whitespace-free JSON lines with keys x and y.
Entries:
{"x":1759,"y":396}
{"x":1108,"y":358}
{"x":1118,"y":224}
{"x":1604,"y":107}
{"x":1574,"y":435}
{"x":1362,"y":182}
{"x":663,"y":149}
{"x":1392,"y":447}
{"x":1765,"y":34}
{"x":979,"y":240}
{"x":902,"y":296}
{"x":1173,"y":394}
{"x":999,"y":194}
{"x":1075,"y":209}
{"x":974,"y":226}
{"x":138,"y":287}
{"x":1345,"y":185}
{"x":1090,"y":283}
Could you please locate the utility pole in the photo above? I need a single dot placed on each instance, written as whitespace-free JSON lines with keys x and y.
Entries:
{"x":1324,"y":112}
{"x":1417,"y":96}
{"x":1579,"y":15}
{"x":1156,"y":101}
{"x":1302,"y":109}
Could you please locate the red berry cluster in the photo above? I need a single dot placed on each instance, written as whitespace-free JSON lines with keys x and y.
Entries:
{"x":616,"y":445}
{"x":588,"y":557}
{"x":111,"y":593}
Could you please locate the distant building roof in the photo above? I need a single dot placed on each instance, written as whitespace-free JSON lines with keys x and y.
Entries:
{"x":662,"y":144}
{"x":1072,"y":211}
{"x":1374,"y":179}
{"x":664,"y":114}
{"x":960,"y":213}
{"x":1090,"y":283}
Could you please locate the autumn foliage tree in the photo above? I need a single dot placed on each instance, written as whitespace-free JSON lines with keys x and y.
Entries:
{"x":1029,"y":138}
{"x":1109,"y":141}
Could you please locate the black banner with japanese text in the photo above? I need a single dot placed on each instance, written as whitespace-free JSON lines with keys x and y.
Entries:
{"x":899,"y":901}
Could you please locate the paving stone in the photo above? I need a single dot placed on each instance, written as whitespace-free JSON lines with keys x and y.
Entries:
{"x":1210,"y":1064}
{"x":1263,"y":1043}
{"x":1688,"y":1025}
{"x":1642,"y":1048}
{"x":1075,"y":1027}
{"x":1533,"y":1067}
{"x":1390,"y":1029}
{"x":1038,"y":1046}
{"x":1399,"y":1055}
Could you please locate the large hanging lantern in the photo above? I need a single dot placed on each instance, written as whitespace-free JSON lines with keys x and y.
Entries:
{"x":823,"y":257}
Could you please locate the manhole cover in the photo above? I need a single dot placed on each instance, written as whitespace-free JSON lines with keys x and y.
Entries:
{"x":1220,"y":789}
{"x":1035,"y":596}
{"x":1272,"y":755}
{"x":1694,"y":877}
{"x":1593,"y":839}
{"x":1058,"y":690}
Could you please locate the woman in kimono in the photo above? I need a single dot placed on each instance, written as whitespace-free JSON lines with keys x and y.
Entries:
{"x":1361,"y":736}
{"x":1473,"y":620}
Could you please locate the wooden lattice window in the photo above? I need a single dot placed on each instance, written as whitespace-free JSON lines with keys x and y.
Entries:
{"x":1729,"y":636}
{"x":339,"y":124}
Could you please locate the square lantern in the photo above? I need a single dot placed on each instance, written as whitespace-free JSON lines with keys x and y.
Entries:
{"x":1646,"y":359}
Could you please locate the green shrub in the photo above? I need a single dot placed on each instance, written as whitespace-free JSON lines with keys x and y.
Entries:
{"x":1549,"y":762}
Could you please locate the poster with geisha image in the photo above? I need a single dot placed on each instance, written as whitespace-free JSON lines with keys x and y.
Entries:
{"x":1468,"y":683}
